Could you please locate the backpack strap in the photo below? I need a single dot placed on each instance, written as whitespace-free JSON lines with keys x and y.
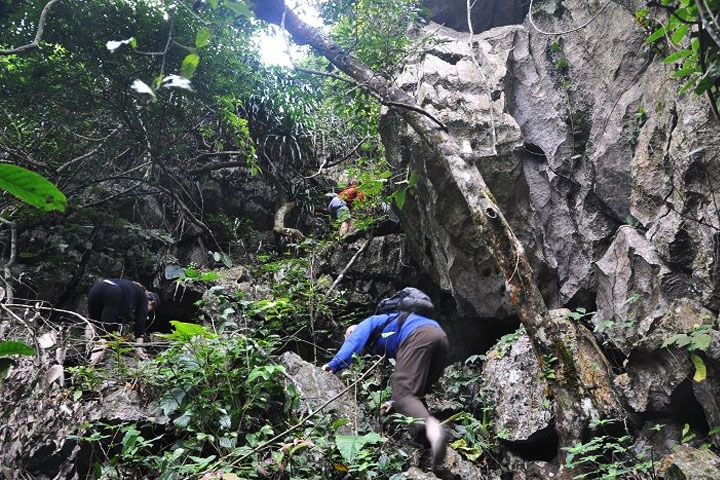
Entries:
{"x":401,"y":317}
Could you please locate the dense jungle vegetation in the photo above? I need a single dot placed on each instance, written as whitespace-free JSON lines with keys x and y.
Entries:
{"x":116,"y":115}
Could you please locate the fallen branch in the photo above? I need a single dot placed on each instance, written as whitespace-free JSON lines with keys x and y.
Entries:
{"x":218,"y":165}
{"x":38,"y":35}
{"x":347,"y":267}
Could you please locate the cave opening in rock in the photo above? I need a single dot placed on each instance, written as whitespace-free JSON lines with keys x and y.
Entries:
{"x":687,"y":410}
{"x":542,"y":446}
{"x":180,"y":306}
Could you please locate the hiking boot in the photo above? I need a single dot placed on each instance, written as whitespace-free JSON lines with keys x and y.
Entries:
{"x":438,"y":440}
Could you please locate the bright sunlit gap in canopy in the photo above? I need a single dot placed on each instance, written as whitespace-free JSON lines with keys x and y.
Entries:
{"x":276,"y":46}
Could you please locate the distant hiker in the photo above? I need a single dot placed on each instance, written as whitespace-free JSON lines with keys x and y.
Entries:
{"x":400,"y":330}
{"x":341,"y":204}
{"x":114,"y":302}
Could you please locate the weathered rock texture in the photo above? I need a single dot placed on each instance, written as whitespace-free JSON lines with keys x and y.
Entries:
{"x":317,"y":387}
{"x":689,"y":464}
{"x":42,"y":421}
{"x":605,"y":174}
{"x":512,"y":379}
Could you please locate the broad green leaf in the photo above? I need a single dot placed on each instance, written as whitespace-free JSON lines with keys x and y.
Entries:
{"x":679,"y":34}
{"x":192,"y":273}
{"x":172,"y":400}
{"x":189,"y":65}
{"x":701,"y":341}
{"x":350,"y":445}
{"x":679,"y":55}
{"x":400,"y":198}
{"x":186,"y":331}
{"x":700,"y":370}
{"x":131,"y":437}
{"x":142,"y":87}
{"x":183,"y":420}
{"x":214,"y":4}
{"x":225,"y":422}
{"x":31,"y":188}
{"x":13,"y":347}
{"x":113,"y":45}
{"x":176,"y":81}
{"x":203,"y":36}
{"x":656,"y":35}
{"x":210,"y":276}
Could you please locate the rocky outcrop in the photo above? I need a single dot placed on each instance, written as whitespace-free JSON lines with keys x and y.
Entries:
{"x":516,"y":389}
{"x":604,"y":173}
{"x":568,"y":162}
{"x":317,"y":387}
{"x":687,"y":463}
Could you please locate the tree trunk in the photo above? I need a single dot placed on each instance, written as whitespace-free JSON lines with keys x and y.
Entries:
{"x":582,"y":387}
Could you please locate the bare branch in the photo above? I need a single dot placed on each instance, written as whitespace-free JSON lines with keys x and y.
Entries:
{"x":38,"y":34}
{"x":218,"y":165}
{"x":86,"y":155}
{"x":347,"y":267}
{"x":11,"y":261}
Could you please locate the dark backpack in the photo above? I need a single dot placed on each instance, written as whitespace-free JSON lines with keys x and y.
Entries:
{"x":406,"y":301}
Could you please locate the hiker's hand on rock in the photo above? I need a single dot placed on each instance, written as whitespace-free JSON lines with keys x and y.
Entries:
{"x":327,"y":368}
{"x":386,"y":407}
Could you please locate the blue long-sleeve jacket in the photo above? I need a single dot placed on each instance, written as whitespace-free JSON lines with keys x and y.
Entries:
{"x":387,"y":343}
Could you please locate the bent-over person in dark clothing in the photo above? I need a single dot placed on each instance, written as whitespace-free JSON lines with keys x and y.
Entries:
{"x":420,"y":349}
{"x":115,"y":301}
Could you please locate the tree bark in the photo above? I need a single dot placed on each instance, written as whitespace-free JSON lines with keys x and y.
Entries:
{"x":582,"y":388}
{"x":38,"y":34}
{"x":290,"y":234}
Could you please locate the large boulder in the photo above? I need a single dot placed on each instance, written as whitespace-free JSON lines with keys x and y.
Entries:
{"x":317,"y":387}
{"x":569,"y":163}
{"x":512,"y":379}
{"x":687,"y":463}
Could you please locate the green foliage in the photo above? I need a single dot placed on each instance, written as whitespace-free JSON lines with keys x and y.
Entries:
{"x":698,"y":339}
{"x":505,"y":343}
{"x":350,"y":446}
{"x":375,"y":31}
{"x":477,"y":437}
{"x":295,"y":298}
{"x":547,"y":369}
{"x":9,"y":348}
{"x":31,"y":188}
{"x":691,"y":49}
{"x":605,"y":457}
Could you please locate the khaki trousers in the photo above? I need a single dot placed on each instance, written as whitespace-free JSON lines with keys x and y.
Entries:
{"x":420,"y":362}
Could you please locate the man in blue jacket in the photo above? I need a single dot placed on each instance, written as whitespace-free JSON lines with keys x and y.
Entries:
{"x":420,"y":347}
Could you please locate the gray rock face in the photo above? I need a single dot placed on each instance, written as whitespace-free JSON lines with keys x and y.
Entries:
{"x":316,"y":387}
{"x":445,"y":83}
{"x":575,"y":139}
{"x":690,"y":464}
{"x":511,"y":377}
{"x":649,"y":382}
